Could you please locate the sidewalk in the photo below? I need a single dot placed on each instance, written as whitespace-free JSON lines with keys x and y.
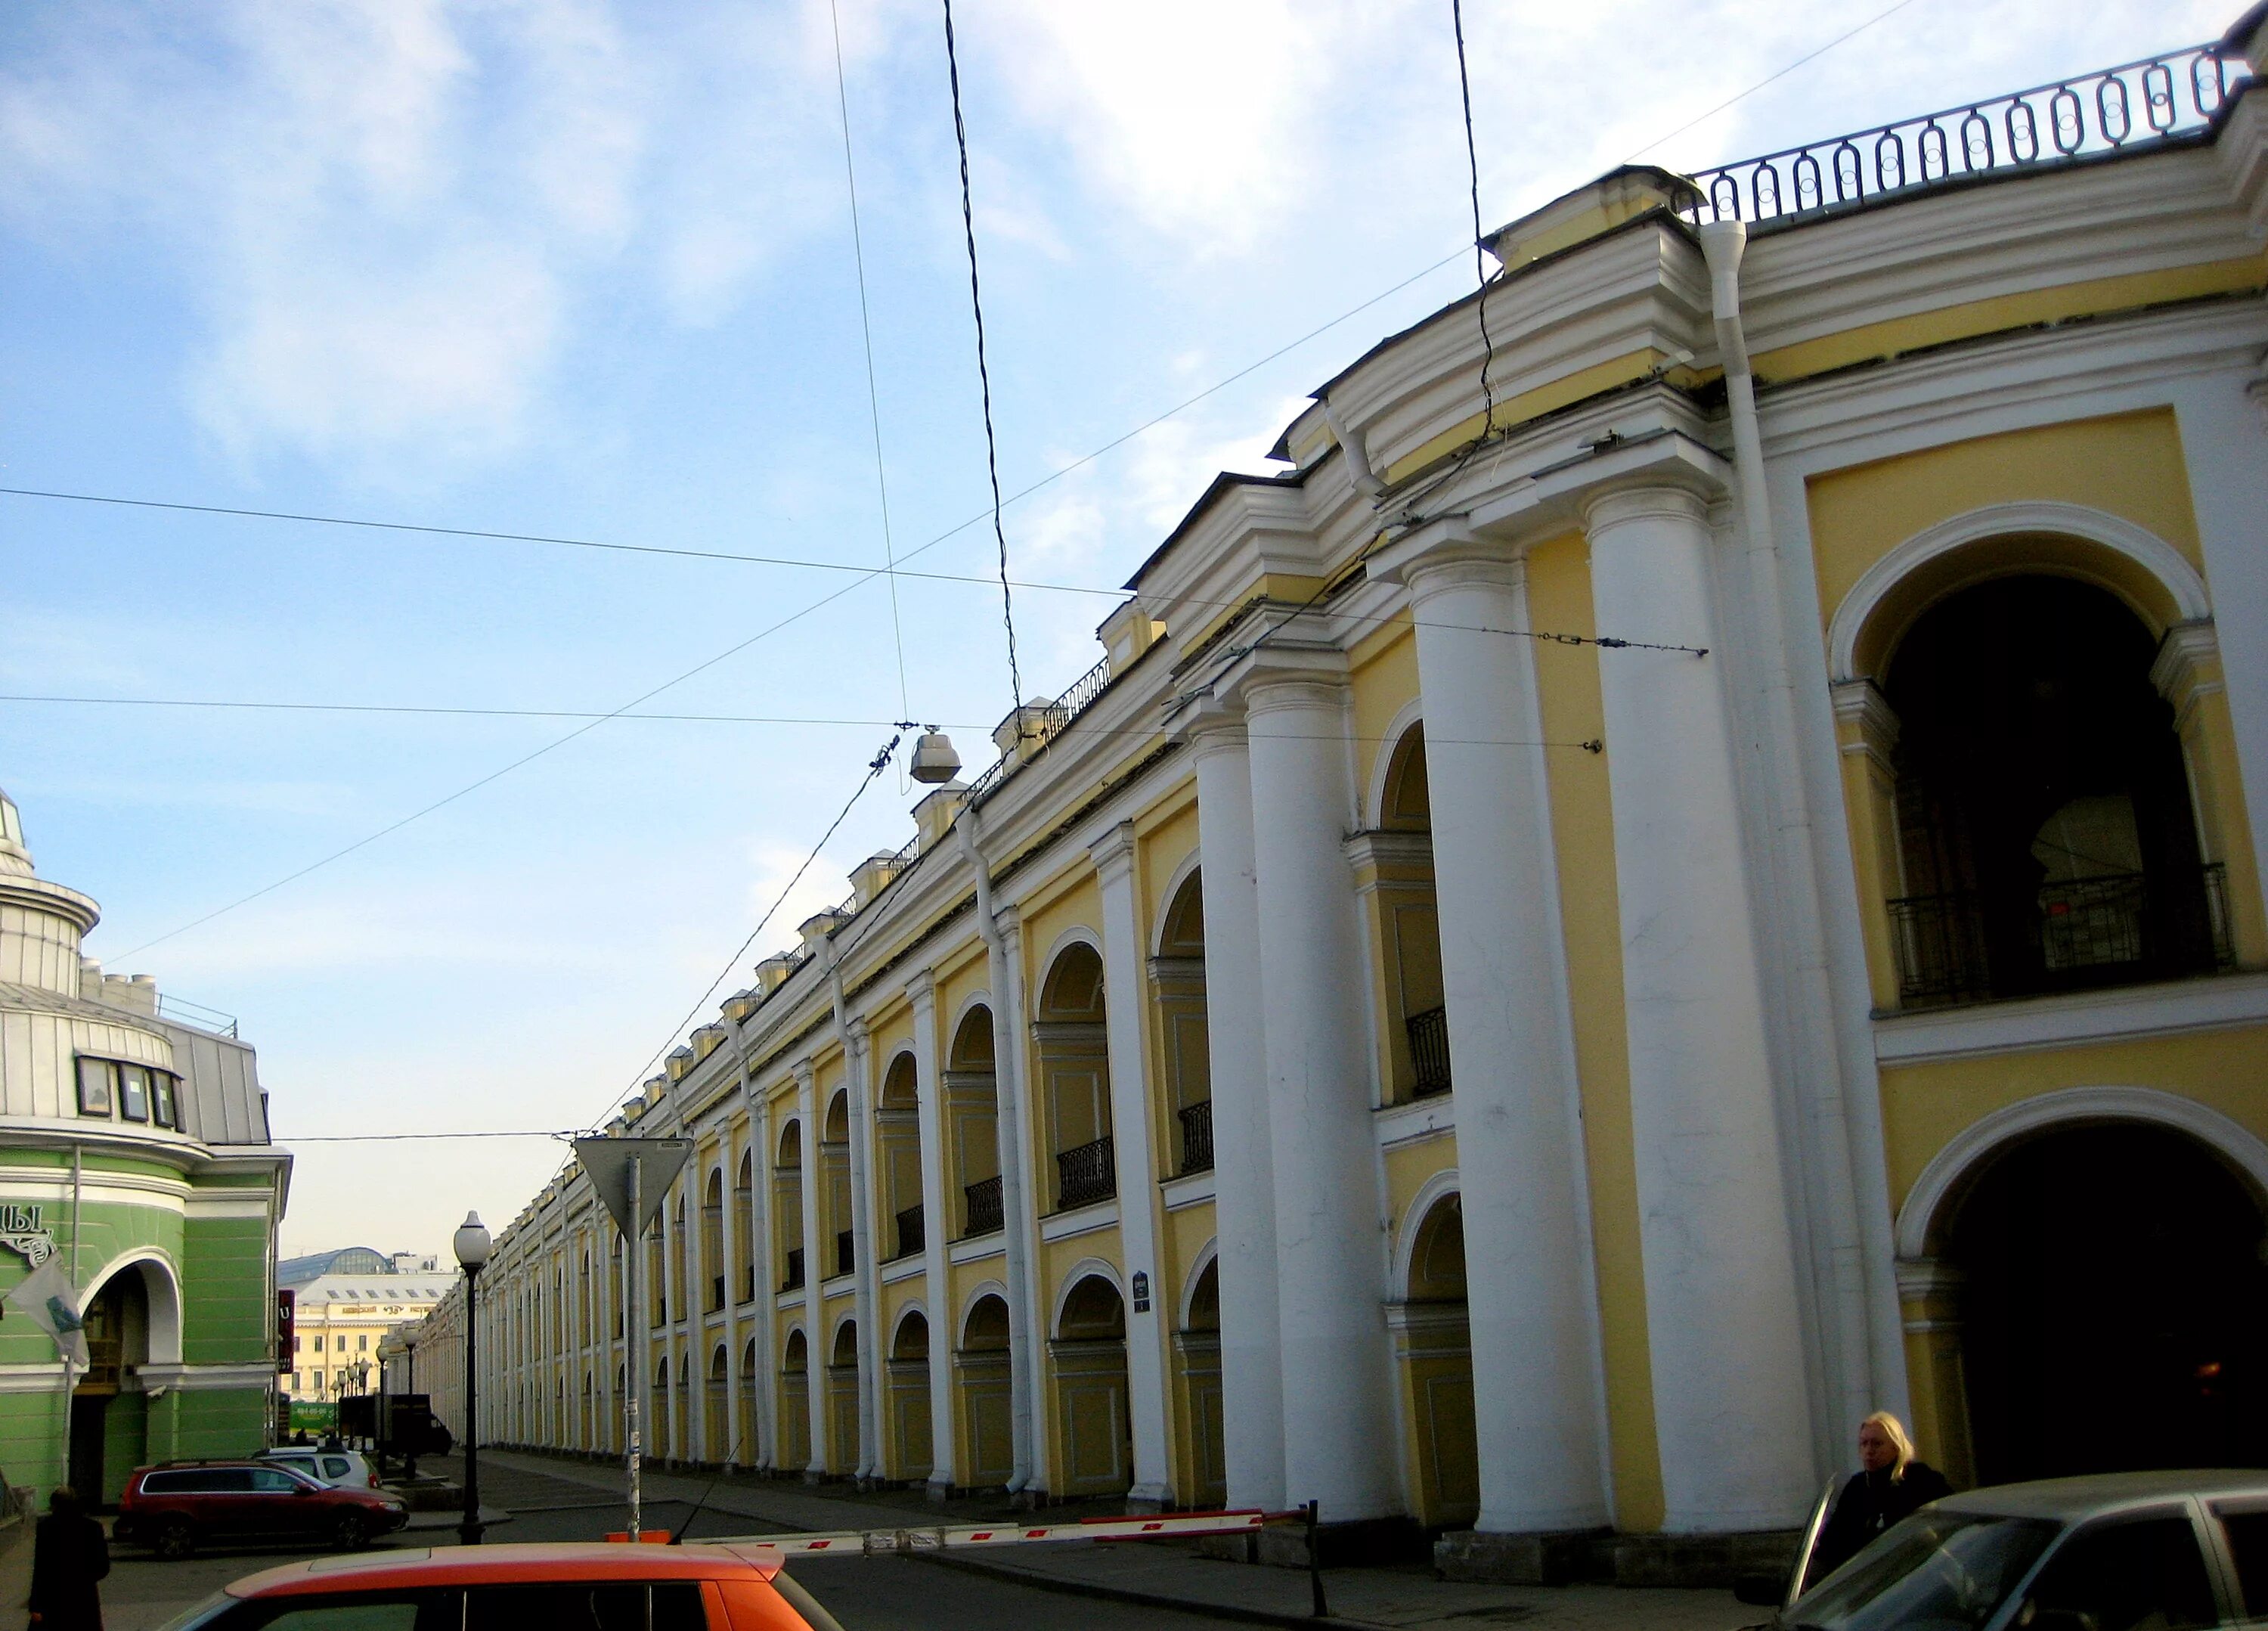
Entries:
{"x":1169,"y":1575}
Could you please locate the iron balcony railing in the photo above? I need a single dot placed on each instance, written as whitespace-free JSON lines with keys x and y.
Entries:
{"x":1081,"y":694}
{"x":196,"y":1013}
{"x":2134,"y":106}
{"x":2118,"y":928}
{"x":1429,"y":1052}
{"x":1085,"y":1174}
{"x":984,"y":1211}
{"x":1197,"y":1136}
{"x":794,"y":1281}
{"x":909,"y":1231}
{"x":846,"y":1255}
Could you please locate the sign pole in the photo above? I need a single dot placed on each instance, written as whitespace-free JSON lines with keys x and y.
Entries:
{"x":634,"y":1351}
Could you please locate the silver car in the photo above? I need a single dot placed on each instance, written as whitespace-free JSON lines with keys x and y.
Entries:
{"x":2179,"y":1551}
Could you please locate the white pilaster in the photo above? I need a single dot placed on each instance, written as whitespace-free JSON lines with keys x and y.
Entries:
{"x":763,"y":1140}
{"x":1010,"y":1053}
{"x":1135,"y":1151}
{"x":858,"y":1063}
{"x":1319,"y":1092}
{"x":1244,"y":1189}
{"x":1531,"y":1303}
{"x":1721,"y":1302}
{"x":816,"y":1353}
{"x":937,"y":1215}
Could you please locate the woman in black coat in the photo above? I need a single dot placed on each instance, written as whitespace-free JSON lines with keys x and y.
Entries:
{"x":1890,"y":1485}
{"x":69,"y":1554}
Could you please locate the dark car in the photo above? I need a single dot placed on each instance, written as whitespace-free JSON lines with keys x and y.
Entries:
{"x":173,"y":1507}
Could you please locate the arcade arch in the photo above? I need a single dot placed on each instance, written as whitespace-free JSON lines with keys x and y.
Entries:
{"x":1074,"y":1056}
{"x":972,"y":1125}
{"x":1088,"y":1356}
{"x":1433,"y":1355}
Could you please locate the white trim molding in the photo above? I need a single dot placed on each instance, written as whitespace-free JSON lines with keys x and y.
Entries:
{"x":1973,"y":1146}
{"x":2220,"y":1002}
{"x":2138,"y":544}
{"x":1084,"y":1220}
{"x":1207,"y":1256}
{"x":1430,"y":1195}
{"x":1086,"y":1268}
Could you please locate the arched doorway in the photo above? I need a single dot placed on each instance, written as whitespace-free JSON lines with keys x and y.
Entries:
{"x":1432,"y":1351}
{"x":897,"y":1133}
{"x":981,"y":1366}
{"x":911,"y":1451}
{"x":1177,"y":979}
{"x":1197,"y":1358}
{"x":718,"y":1412}
{"x":712,"y":1243}
{"x":2046,"y":838}
{"x":1394,"y":873}
{"x":1089,"y":1356}
{"x":787,"y":1206}
{"x":750,"y":1453}
{"x":972,"y":1116}
{"x":845,"y":1452}
{"x":1075,"y":1080}
{"x":110,"y":1423}
{"x":795,"y":1403}
{"x":2113,"y":1295}
{"x":836,"y":1240}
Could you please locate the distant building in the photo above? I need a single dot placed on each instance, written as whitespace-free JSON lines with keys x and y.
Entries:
{"x":347,"y":1301}
{"x":134,"y":1146}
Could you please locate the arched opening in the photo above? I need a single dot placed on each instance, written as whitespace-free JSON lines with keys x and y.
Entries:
{"x":1196,"y":1360}
{"x":744,"y":1229}
{"x":845,"y":1452}
{"x":583,"y":1301}
{"x":787,"y":1206}
{"x":586,"y":1418}
{"x":717,"y":1409}
{"x":680,"y":1303}
{"x":972,"y":1117}
{"x":834,"y":1232}
{"x":897,"y":1133}
{"x":1177,"y":978}
{"x":1434,"y":1355}
{"x":981,"y":1368}
{"x":795,"y":1403}
{"x":109,"y":1411}
{"x":750,"y":1453}
{"x":680,"y":1437}
{"x":2112,"y":1285}
{"x":713,"y":1241}
{"x":1394,"y":873}
{"x":911,"y":1454}
{"x":615,"y":1287}
{"x":1075,"y":1079}
{"x":2046,"y":838}
{"x":1089,"y":1356}
{"x":663,"y":1416}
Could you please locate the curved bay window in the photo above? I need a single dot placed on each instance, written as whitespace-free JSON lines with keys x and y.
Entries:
{"x":2045,"y":830}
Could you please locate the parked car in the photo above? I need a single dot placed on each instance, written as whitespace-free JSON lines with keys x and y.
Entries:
{"x":173,"y":1507}
{"x":510,"y":1588}
{"x":2177,"y":1550}
{"x":340,"y":1469}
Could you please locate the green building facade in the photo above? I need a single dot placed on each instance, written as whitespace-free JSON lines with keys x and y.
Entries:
{"x":133,"y":1148}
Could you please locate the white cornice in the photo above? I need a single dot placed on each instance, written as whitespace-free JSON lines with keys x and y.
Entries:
{"x":2221,"y":1002}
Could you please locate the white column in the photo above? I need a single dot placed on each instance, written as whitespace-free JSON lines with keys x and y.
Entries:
{"x":815,"y":1352}
{"x":1133,"y":1147}
{"x":1244,"y":1188}
{"x":762,"y":1141}
{"x":1729,"y":1375}
{"x":1011,"y":1051}
{"x":860,"y":1066}
{"x":937,"y":1283}
{"x":1319,"y":1093}
{"x":1531,"y":1305}
{"x":728,"y":1236}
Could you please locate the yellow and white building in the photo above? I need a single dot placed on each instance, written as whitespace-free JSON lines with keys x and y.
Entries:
{"x":1383,"y":1039}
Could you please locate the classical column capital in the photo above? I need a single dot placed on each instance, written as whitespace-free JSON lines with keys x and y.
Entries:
{"x":1445,"y":554}
{"x":1653,"y":497}
{"x":921,"y":991}
{"x":1113,"y":853}
{"x":1872,"y":723}
{"x":856,"y":1033}
{"x":2188,"y":664}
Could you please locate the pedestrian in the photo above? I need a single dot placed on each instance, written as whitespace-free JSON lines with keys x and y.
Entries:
{"x":1890,"y":1484}
{"x":69,"y":1554}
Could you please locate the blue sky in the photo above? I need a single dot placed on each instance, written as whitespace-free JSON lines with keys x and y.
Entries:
{"x":586,"y":269}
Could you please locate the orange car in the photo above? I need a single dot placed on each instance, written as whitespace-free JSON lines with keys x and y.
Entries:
{"x":594,"y":1587}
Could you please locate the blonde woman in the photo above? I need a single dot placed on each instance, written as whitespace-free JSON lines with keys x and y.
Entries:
{"x":1890,"y":1484}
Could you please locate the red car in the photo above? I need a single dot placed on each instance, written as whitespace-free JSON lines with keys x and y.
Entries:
{"x":512,"y":1587}
{"x":172,"y":1507}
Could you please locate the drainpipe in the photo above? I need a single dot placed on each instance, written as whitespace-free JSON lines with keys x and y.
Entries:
{"x":1357,"y":456}
{"x":1006,"y":1031}
{"x":1865,"y":1309}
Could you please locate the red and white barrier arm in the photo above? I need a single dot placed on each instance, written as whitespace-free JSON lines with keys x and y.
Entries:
{"x":879,"y":1542}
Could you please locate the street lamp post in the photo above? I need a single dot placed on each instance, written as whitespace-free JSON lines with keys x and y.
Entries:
{"x":472,"y":1243}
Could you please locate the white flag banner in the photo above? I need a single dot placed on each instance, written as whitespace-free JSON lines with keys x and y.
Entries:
{"x":47,"y":1295}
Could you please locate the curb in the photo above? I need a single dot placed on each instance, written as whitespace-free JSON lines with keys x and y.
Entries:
{"x":1145,"y":1599}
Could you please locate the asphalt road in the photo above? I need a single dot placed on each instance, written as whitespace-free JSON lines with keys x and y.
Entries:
{"x":866,"y":1594}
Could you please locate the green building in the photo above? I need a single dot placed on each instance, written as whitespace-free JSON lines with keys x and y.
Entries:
{"x":133,"y":1148}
